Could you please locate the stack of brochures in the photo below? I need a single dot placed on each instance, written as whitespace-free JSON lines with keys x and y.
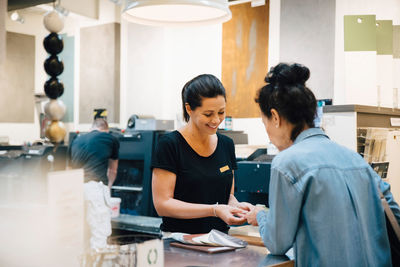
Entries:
{"x":210,"y":240}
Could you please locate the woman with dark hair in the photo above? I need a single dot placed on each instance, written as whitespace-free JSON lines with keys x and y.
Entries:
{"x":324,"y":199}
{"x":193,"y":166}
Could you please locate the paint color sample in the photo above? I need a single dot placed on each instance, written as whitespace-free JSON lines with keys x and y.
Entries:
{"x":99,"y":71}
{"x":396,"y":41}
{"x":17,"y":77}
{"x":384,"y":79}
{"x":360,"y":33}
{"x":67,"y":77}
{"x":384,"y":37}
{"x":360,"y":78}
{"x":310,"y":41}
{"x":3,"y":7}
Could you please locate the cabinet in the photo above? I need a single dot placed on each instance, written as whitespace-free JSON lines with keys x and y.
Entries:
{"x":133,"y":182}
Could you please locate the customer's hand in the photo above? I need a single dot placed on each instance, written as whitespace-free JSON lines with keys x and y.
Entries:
{"x":251,"y":216}
{"x":230,"y":215}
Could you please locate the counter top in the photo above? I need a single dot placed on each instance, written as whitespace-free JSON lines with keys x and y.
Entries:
{"x":139,"y":224}
{"x":361,"y":109}
{"x":249,"y":257}
{"x":179,"y":257}
{"x":365,"y":116}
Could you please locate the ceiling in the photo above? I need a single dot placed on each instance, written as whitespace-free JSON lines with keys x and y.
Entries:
{"x":19,"y":4}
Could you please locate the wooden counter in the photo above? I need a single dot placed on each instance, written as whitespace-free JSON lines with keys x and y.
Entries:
{"x":250,"y":256}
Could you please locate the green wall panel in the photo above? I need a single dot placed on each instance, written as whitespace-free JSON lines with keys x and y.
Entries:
{"x":360,"y":36}
{"x":384,"y":37}
{"x":67,"y":77}
{"x":396,"y":41}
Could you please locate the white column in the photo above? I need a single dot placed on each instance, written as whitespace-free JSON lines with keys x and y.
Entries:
{"x":274,"y":32}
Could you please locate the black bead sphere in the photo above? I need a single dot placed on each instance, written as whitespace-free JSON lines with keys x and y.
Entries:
{"x":53,"y":88}
{"x":53,"y":43}
{"x":53,"y":66}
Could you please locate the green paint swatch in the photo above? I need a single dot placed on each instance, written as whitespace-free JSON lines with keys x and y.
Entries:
{"x":67,"y":77}
{"x":396,"y":41}
{"x":360,"y":33}
{"x":384,"y":37}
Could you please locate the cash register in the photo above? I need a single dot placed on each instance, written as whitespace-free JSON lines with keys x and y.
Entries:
{"x":252,"y":177}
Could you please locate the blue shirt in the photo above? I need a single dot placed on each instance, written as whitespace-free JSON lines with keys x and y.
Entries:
{"x":324,"y":202}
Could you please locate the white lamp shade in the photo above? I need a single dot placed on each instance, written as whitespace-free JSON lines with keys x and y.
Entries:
{"x":176,"y":12}
{"x":53,"y":21}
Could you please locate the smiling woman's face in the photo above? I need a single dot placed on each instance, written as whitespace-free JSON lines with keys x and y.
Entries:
{"x":209,"y":115}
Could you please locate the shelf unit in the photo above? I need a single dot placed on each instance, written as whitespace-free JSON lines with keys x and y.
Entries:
{"x":343,"y":124}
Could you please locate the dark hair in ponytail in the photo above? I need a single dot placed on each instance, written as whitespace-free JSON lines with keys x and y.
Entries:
{"x":287,"y":93}
{"x":202,"y":86}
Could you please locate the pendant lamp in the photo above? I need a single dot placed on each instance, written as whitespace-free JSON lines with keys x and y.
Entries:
{"x":176,"y":12}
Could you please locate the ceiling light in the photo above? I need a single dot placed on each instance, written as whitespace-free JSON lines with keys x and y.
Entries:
{"x":176,"y":12}
{"x":15,"y":16}
{"x":117,"y":2}
{"x":61,"y":10}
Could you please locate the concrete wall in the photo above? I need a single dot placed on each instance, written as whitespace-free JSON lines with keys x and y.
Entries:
{"x":99,"y":71}
{"x":307,"y":34}
{"x":17,"y":79}
{"x":3,"y":13}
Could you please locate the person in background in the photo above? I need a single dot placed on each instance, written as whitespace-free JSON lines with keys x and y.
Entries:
{"x":97,"y":153}
{"x":193,"y":167}
{"x":323,"y":198}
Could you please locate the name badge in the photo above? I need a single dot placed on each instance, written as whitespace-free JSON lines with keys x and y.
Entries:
{"x":224,"y":169}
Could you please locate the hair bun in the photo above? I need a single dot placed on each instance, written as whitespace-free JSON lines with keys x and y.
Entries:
{"x":288,"y":74}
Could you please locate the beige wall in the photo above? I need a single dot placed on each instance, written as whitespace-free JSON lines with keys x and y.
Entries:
{"x":17,"y":79}
{"x":99,"y":71}
{"x":307,"y":36}
{"x":3,"y":12}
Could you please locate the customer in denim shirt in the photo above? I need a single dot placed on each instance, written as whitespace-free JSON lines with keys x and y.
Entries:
{"x":323,"y":197}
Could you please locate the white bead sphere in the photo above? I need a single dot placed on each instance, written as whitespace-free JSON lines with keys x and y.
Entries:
{"x":54,"y":109}
{"x":53,"y":21}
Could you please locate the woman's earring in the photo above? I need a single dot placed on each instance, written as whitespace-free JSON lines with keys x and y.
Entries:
{"x":276,"y":126}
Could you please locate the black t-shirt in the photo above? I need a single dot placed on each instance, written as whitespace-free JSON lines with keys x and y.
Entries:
{"x":91,"y":151}
{"x":202,"y":180}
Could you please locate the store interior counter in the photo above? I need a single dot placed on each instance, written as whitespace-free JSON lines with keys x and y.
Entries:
{"x":250,"y":256}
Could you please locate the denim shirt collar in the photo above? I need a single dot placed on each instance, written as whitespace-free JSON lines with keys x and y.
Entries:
{"x":309,"y":133}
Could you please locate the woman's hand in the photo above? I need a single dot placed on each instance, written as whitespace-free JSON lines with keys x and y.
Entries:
{"x":230,"y":215}
{"x":252,"y":215}
{"x":244,"y":206}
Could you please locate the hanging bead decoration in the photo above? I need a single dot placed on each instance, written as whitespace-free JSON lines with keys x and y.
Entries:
{"x":53,"y":87}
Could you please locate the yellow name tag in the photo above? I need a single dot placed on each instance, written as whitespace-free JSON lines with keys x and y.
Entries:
{"x":224,"y":169}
